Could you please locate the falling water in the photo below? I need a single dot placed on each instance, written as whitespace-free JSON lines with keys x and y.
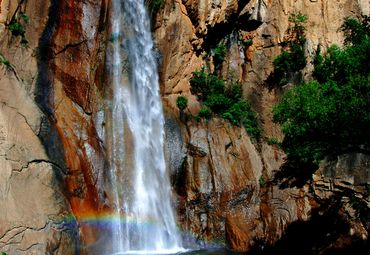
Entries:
{"x":142,"y":193}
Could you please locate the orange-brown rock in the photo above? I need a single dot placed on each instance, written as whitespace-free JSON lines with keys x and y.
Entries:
{"x":62,"y":65}
{"x":35,"y":216}
{"x":221,"y":177}
{"x":52,"y":124}
{"x":77,"y":46}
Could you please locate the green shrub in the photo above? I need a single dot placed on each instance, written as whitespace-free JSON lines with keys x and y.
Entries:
{"x":234,"y":92}
{"x":292,"y":59}
{"x":238,"y":111}
{"x":219,"y":54}
{"x":248,"y":43}
{"x":23,"y":16}
{"x":203,"y":84}
{"x":4,"y":61}
{"x":218,"y":103}
{"x":297,"y":31}
{"x":226,"y":102}
{"x":16,"y":26}
{"x":354,"y":31}
{"x":262,"y":181}
{"x":182,"y":102}
{"x":205,"y":113}
{"x":273,"y":141}
{"x":199,"y":84}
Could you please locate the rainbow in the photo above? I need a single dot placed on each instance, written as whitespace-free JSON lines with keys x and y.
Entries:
{"x":108,"y":219}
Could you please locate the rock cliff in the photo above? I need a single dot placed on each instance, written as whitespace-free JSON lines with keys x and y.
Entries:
{"x":231,"y":189}
{"x":51,"y":155}
{"x":54,"y":118}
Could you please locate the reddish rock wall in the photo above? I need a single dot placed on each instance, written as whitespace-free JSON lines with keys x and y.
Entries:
{"x":228,"y":186}
{"x":52,"y":124}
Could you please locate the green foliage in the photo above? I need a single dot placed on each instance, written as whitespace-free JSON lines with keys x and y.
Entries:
{"x":340,"y":65}
{"x":330,"y":116}
{"x":219,"y":54}
{"x":226,"y":102}
{"x":218,"y":102}
{"x":182,"y":102}
{"x":273,"y":141}
{"x":297,"y":31}
{"x":234,"y":92}
{"x":16,"y":26}
{"x":354,"y":31}
{"x":241,"y":113}
{"x":361,"y":208}
{"x":203,"y":84}
{"x":5,"y":62}
{"x":23,"y":16}
{"x":288,"y":63}
{"x":205,"y":113}
{"x":262,"y":181}
{"x":292,"y":59}
{"x":248,"y":43}
{"x":4,"y":253}
{"x":156,"y":5}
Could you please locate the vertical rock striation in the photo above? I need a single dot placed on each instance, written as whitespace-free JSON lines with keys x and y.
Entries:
{"x":229,"y":188}
{"x":51,"y":116}
{"x":35,"y":215}
{"x":52,"y":126}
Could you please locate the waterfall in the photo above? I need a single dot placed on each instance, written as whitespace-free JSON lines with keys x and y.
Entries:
{"x":140,"y":183}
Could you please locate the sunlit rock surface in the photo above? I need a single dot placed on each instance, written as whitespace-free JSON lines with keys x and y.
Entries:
{"x":230,"y":189}
{"x":53,"y":126}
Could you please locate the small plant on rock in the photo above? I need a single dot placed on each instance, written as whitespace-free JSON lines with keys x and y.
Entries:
{"x":262,"y":181}
{"x":205,"y":113}
{"x":219,"y":54}
{"x":273,"y":141}
{"x":5,"y":62}
{"x":16,"y":26}
{"x":182,"y":102}
{"x":248,"y":43}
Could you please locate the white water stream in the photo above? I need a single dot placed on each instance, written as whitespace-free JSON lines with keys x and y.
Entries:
{"x":142,"y":191}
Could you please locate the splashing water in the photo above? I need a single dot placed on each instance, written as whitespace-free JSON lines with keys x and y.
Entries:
{"x":142,"y":191}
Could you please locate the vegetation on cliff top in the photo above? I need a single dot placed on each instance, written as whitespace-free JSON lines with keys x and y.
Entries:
{"x":330,"y":115}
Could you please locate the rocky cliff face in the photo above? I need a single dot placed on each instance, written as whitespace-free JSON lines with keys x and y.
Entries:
{"x":229,"y":188}
{"x":51,"y":155}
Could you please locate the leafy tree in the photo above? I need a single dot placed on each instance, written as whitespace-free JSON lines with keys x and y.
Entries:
{"x":354,"y":31}
{"x":330,"y":116}
{"x":182,"y":102}
{"x":292,"y":59}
